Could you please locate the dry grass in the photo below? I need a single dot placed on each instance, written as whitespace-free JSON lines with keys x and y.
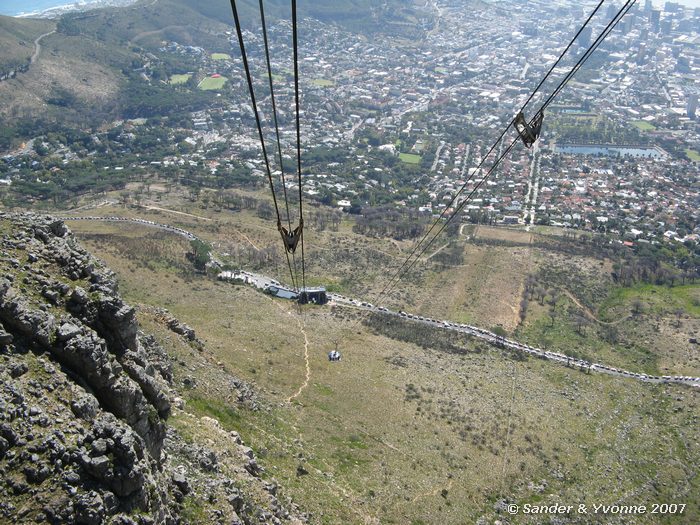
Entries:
{"x":480,"y":426}
{"x":503,"y":234}
{"x":17,"y":37}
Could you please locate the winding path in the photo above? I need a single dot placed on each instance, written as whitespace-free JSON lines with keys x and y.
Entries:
{"x":37,"y":46}
{"x":260,"y":281}
{"x":588,"y":313}
{"x":306,"y":363}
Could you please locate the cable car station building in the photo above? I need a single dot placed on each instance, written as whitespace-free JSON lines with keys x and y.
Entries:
{"x":307,"y":295}
{"x":313,"y":295}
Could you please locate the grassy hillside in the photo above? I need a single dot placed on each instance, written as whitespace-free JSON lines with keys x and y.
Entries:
{"x":356,"y":15}
{"x":414,"y":426}
{"x":17,"y":39}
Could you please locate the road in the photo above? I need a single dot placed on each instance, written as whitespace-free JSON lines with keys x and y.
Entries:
{"x":263,"y":282}
{"x":37,"y":46}
{"x":533,"y":188}
{"x":143,"y":222}
{"x":465,"y":162}
{"x":516,"y":346}
{"x":437,"y":156}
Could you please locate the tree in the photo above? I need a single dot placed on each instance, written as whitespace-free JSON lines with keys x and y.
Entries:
{"x":637,"y":307}
{"x":540,"y":293}
{"x":553,"y":297}
{"x":679,"y":312}
{"x":200,"y":254}
{"x":581,"y":322}
{"x":609,"y":333}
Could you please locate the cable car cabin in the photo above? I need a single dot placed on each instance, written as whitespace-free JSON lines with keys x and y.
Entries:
{"x":282,"y":293}
{"x":529,"y":132}
{"x":313,"y":295}
{"x":334,"y":355}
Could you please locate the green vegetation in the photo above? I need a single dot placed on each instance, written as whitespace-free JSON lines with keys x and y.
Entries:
{"x":228,"y":416}
{"x":220,"y":56}
{"x":322,"y":82}
{"x":594,"y":130}
{"x":692,"y":155}
{"x":139,"y":99}
{"x":180,"y":79}
{"x":657,"y":299}
{"x":643,"y":125}
{"x":201,"y":253}
{"x":212,"y":84}
{"x":410,"y":158}
{"x":17,"y":37}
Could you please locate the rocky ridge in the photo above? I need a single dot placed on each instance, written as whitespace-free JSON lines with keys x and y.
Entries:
{"x":85,"y":397}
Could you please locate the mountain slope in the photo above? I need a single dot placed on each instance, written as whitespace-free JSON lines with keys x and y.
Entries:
{"x":88,"y":71}
{"x":85,"y":400}
{"x":17,"y":38}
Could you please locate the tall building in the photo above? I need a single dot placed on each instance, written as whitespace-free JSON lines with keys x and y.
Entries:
{"x":666,"y":26}
{"x":692,"y":104}
{"x":641,"y":55}
{"x":655,"y":20}
{"x":647,"y":7}
{"x":683,"y":64}
{"x":584,"y":39}
{"x":628,"y":23}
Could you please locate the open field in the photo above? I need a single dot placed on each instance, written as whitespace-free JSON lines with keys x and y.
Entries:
{"x":692,"y":155}
{"x":503,"y":234}
{"x":642,"y":125}
{"x":180,"y":79}
{"x":212,"y":84}
{"x":322,"y":82}
{"x":409,"y":158}
{"x":475,"y":291}
{"x":398,"y":433}
{"x":220,"y":56}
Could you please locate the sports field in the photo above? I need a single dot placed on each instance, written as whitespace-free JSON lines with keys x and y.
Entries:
{"x":642,"y":125}
{"x":179,"y":79}
{"x":212,"y":84}
{"x":322,"y":82}
{"x":409,"y":158}
{"x":220,"y":56}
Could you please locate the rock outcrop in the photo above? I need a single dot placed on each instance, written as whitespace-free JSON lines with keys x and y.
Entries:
{"x":85,"y":396}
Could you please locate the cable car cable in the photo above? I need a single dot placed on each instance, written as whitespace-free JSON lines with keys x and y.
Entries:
{"x":498,"y":140}
{"x":599,"y":40}
{"x":277,"y":135}
{"x":295,"y":42}
{"x":251,"y":89}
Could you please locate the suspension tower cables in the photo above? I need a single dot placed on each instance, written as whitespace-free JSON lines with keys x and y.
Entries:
{"x":591,"y":49}
{"x":490,"y":151}
{"x":295,"y":39}
{"x":279,"y":142}
{"x":599,"y":40}
{"x":251,"y":89}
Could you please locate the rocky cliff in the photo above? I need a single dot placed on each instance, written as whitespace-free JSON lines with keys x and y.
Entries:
{"x":85,"y":398}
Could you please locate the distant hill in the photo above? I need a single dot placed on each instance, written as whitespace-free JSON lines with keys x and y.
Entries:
{"x":358,"y":15}
{"x":88,"y":70}
{"x":17,"y":37}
